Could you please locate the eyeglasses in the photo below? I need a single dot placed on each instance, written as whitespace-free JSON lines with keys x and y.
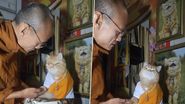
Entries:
{"x":41,"y":44}
{"x":120,"y":31}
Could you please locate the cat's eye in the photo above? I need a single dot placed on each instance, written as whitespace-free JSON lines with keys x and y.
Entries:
{"x":52,"y":65}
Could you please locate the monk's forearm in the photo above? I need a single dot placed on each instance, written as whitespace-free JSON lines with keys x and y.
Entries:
{"x":26,"y":93}
{"x":15,"y":94}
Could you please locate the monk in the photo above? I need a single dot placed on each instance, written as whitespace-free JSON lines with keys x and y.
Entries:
{"x":29,"y":30}
{"x":109,"y":24}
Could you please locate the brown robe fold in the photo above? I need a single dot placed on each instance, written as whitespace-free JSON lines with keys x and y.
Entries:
{"x":9,"y":78}
{"x":98,"y":82}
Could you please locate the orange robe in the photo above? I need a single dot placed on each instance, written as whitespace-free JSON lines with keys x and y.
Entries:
{"x":153,"y":96}
{"x":98,"y":90}
{"x":9,"y":78}
{"x":62,"y":88}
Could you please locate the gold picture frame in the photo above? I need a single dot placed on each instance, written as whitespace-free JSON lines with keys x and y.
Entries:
{"x":79,"y":13}
{"x":170,"y":20}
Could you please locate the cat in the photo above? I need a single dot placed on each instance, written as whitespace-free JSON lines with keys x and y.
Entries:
{"x":173,"y":79}
{"x":149,"y":77}
{"x":58,"y":82}
{"x":82,"y":58}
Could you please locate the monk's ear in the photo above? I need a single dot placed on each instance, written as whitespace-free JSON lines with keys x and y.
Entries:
{"x":22,"y":27}
{"x":97,"y":19}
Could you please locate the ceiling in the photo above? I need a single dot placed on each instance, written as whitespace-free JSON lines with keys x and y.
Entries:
{"x":138,"y":11}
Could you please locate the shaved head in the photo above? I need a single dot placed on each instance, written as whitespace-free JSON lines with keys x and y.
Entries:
{"x":109,"y":6}
{"x":33,"y":26}
{"x":34,"y":14}
{"x":109,"y":22}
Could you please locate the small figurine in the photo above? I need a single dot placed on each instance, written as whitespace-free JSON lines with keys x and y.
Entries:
{"x":173,"y":79}
{"x":82,"y":57}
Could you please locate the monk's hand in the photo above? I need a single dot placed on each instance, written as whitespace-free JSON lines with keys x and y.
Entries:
{"x":127,"y":101}
{"x":31,"y":92}
{"x":116,"y":101}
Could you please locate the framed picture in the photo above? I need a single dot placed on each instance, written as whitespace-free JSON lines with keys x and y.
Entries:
{"x":170,"y":20}
{"x":121,"y":52}
{"x":172,"y":74}
{"x":80,"y":13}
{"x":78,"y":59}
{"x":9,"y":5}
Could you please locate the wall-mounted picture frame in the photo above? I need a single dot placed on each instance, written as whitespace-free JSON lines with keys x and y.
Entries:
{"x":81,"y":31}
{"x":9,"y":5}
{"x":77,"y":53}
{"x":79,"y":13}
{"x":172,"y":74}
{"x":170,"y":20}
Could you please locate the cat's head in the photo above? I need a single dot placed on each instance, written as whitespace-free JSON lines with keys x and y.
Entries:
{"x":56,"y":65}
{"x":149,"y":75}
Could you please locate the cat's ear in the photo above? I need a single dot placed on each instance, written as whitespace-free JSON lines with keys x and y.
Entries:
{"x":158,"y":68}
{"x":60,"y":56}
{"x":165,"y":62}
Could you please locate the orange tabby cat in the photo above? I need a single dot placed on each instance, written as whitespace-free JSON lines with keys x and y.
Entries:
{"x":58,"y":80}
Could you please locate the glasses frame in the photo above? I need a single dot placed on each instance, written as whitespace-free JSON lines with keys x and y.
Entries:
{"x":41,"y":44}
{"x":120,"y":31}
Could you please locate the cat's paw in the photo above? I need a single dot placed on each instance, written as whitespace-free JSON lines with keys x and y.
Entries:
{"x":43,"y":90}
{"x":46,"y":95}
